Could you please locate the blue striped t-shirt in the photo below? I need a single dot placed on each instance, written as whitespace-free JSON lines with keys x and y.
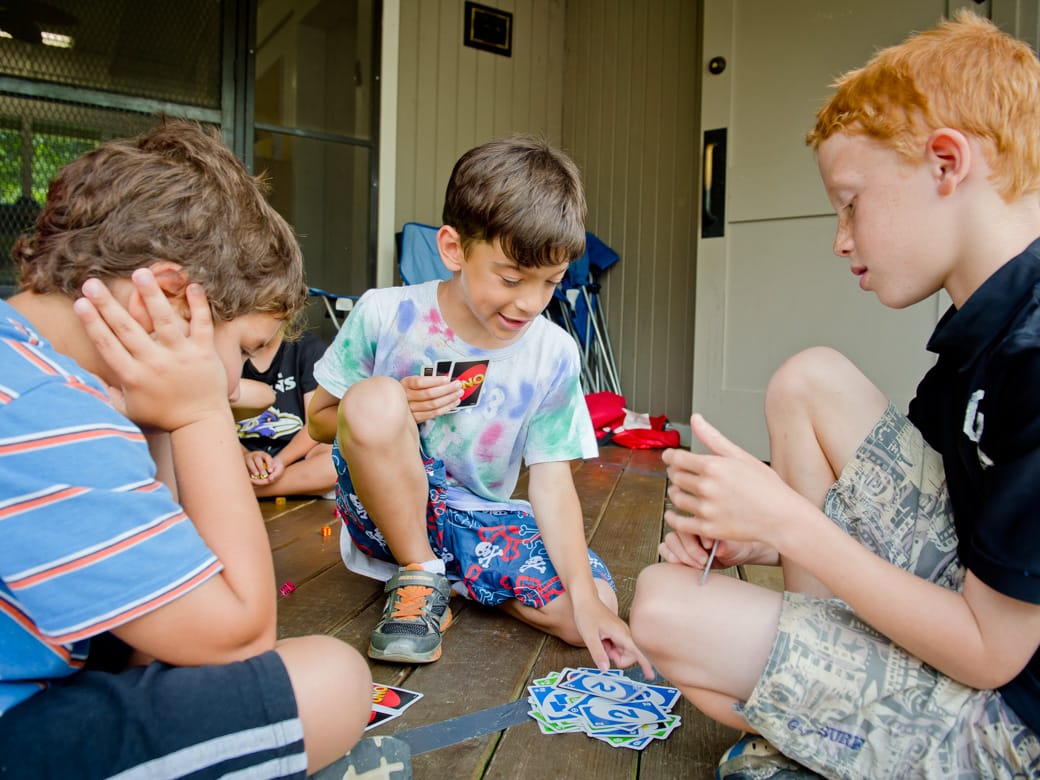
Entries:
{"x":89,"y":539}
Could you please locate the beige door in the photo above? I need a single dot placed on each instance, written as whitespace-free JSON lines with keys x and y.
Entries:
{"x":770,"y":286}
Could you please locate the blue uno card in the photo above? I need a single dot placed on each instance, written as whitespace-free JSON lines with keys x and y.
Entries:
{"x":608,"y":686}
{"x":604,"y":713}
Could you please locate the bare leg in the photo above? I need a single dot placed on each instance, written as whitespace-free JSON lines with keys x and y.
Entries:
{"x":378,"y":437}
{"x":557,"y":617}
{"x":711,"y":641}
{"x":312,"y":475}
{"x":819,"y":409}
{"x":333,"y":689}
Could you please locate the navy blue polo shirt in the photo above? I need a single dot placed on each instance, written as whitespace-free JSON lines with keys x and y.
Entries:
{"x":979,"y":407}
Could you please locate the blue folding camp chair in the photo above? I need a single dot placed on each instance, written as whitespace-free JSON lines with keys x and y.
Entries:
{"x":337,"y":307}
{"x":577,"y":308}
{"x":417,"y":257}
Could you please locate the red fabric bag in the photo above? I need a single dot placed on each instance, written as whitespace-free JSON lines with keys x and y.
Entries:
{"x":607,"y":411}
{"x":656,"y":437}
{"x":608,"y":414}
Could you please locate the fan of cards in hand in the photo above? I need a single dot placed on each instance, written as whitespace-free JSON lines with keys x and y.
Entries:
{"x":604,"y":705}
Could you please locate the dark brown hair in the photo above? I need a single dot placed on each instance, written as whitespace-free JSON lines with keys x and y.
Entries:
{"x":522,"y":192}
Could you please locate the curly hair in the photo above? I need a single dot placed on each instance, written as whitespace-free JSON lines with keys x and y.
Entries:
{"x":175,"y":193}
{"x":964,"y":74}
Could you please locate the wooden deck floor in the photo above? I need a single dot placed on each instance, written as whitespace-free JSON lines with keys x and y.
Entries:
{"x":489,"y":659}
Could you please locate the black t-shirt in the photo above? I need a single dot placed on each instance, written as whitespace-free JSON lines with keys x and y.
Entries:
{"x":291,"y":374}
{"x":979,"y":406}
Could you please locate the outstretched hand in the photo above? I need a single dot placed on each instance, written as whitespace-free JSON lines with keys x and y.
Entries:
{"x":169,"y":375}
{"x":608,"y":639}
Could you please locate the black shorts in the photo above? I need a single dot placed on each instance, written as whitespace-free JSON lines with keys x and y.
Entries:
{"x":159,"y":722}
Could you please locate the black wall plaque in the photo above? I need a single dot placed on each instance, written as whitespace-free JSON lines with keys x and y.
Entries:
{"x":488,"y":29}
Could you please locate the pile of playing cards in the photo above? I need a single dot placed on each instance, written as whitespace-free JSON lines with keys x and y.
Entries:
{"x":604,"y":705}
{"x":389,"y":703}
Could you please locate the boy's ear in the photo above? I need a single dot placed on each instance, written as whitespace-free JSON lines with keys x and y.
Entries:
{"x":173,"y":281}
{"x":949,"y":156}
{"x":449,"y":244}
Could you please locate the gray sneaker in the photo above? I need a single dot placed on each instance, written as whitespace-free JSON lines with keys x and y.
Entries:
{"x":753,"y":758}
{"x":415,"y":616}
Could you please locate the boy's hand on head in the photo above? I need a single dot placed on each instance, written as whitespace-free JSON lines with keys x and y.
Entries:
{"x":431,"y":396}
{"x":168,"y":378}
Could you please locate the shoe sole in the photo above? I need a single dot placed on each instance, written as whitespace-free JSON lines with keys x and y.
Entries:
{"x":404,"y":657}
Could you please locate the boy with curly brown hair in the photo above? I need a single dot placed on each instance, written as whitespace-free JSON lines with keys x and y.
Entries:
{"x":137,"y":604}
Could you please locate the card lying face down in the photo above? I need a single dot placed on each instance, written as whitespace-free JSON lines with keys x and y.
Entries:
{"x":471,"y":373}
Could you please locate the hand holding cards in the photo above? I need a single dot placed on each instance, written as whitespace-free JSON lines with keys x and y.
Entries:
{"x":470,"y":373}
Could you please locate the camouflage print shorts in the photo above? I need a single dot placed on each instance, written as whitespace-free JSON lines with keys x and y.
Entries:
{"x":839,"y":697}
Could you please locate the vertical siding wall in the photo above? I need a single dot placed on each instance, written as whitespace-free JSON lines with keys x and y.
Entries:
{"x":452,"y":97}
{"x":615,"y":83}
{"x":631,"y":119}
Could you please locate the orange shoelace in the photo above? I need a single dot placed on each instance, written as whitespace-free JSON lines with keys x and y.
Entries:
{"x":410,"y":601}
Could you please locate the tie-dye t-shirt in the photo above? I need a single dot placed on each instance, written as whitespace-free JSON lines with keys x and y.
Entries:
{"x":531,"y":406}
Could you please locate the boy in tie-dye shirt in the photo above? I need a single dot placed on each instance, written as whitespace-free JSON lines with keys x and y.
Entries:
{"x":435,"y":394}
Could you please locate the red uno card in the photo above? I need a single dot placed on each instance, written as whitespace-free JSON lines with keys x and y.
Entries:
{"x":471,"y":373}
{"x":389,"y":702}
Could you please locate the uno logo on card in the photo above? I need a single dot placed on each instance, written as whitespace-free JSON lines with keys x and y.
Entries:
{"x":385,"y":696}
{"x":471,"y":380}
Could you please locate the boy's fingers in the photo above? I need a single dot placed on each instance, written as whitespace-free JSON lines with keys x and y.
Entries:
{"x":600,"y":658}
{"x":713,"y":439}
{"x":201,"y":315}
{"x":157,"y":308}
{"x":112,"y":314}
{"x":111,"y":348}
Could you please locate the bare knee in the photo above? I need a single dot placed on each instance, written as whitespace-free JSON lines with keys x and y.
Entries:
{"x":804,"y":378}
{"x":333,"y":689}
{"x":652,"y":607}
{"x":372,"y":411}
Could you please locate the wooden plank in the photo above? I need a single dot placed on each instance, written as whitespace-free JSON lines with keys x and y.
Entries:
{"x":766,"y":576}
{"x":270,"y":508}
{"x":298,"y":518}
{"x":486,"y":662}
{"x":626,"y":538}
{"x":595,"y":482}
{"x":325,"y":603}
{"x":299,"y":549}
